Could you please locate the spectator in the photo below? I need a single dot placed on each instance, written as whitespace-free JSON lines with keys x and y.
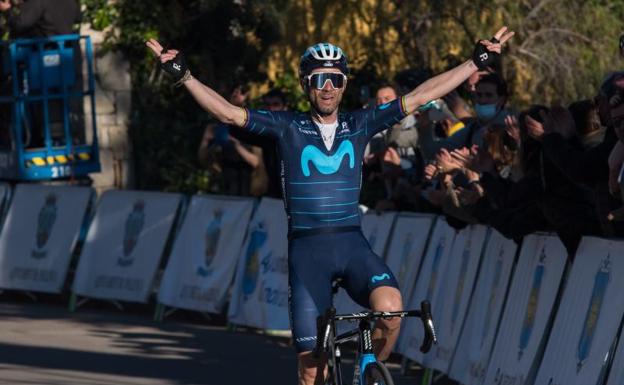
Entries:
{"x":490,"y":104}
{"x":266,"y":177}
{"x":41,"y":18}
{"x":590,"y":166}
{"x":544,"y":198}
{"x":396,"y":157}
{"x":587,"y":122}
{"x":236,"y":161}
{"x":403,"y":137}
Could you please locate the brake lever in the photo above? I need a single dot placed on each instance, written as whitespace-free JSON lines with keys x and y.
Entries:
{"x":429,"y":328}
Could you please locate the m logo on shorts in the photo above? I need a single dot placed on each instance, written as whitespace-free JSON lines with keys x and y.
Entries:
{"x":326,"y":164}
{"x":377,"y":278}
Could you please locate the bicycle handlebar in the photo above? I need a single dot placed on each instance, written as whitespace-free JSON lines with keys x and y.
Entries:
{"x":323,"y":324}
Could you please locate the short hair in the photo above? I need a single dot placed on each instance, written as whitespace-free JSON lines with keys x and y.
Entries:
{"x":497,"y":80}
{"x":609,"y":87}
{"x":585,"y":116}
{"x":388,"y":85}
{"x":275,"y":93}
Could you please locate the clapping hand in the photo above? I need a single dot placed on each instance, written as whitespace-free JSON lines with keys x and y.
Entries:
{"x":512,"y":129}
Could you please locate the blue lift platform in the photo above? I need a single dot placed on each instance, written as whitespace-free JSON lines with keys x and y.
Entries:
{"x":44,"y":133}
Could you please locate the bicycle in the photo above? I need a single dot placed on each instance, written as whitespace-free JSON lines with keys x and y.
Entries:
{"x":370,"y":371}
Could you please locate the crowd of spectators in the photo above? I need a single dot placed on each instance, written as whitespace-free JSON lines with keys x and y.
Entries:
{"x":472,"y":157}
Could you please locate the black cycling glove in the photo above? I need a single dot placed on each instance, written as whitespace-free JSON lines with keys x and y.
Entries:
{"x":176,"y":67}
{"x":484,"y":58}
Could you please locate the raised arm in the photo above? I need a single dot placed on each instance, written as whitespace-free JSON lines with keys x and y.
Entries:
{"x":444,"y":83}
{"x":205,"y":96}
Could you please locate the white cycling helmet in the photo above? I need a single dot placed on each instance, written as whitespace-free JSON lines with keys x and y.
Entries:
{"x":323,"y":55}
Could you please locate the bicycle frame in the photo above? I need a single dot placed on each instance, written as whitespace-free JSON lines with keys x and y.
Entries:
{"x":328,"y":342}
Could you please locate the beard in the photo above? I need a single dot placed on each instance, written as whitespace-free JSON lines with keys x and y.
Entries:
{"x":326,"y":108}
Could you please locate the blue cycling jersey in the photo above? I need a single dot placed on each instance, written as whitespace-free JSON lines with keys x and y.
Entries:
{"x":321,"y":188}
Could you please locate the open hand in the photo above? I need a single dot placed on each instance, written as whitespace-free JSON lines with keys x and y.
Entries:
{"x":512,"y":128}
{"x":446,"y":162}
{"x":535,"y":129}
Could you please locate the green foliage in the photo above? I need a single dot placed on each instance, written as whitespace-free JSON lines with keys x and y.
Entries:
{"x":224,"y":43}
{"x":561,"y":52}
{"x":289,"y":83}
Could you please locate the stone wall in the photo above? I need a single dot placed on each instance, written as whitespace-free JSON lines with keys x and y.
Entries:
{"x":113,"y":102}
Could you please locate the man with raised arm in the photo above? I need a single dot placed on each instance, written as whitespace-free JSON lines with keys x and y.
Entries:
{"x":321,"y":158}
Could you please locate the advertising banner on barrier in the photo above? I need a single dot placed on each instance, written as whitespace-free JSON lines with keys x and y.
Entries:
{"x":260,"y":292}
{"x":40,"y":231}
{"x":450,"y":307}
{"x":529,"y":306}
{"x":124,"y":245}
{"x":429,"y":286}
{"x":377,"y":227}
{"x":204,"y":256}
{"x":406,"y":248}
{"x":589,"y":316}
{"x":616,"y":374}
{"x":486,"y":306}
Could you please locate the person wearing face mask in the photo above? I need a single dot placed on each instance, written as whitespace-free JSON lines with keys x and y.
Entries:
{"x":490,"y":105}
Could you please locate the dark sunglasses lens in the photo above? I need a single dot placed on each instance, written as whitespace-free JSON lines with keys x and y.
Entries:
{"x":319,"y":80}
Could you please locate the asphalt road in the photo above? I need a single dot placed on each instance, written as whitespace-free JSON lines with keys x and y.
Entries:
{"x":42,"y":343}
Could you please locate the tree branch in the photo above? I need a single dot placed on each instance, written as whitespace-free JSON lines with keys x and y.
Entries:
{"x":559,"y":31}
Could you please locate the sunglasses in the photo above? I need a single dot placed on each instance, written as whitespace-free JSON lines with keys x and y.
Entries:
{"x":318,"y":80}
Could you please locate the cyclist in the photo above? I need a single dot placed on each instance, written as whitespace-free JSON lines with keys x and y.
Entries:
{"x":321,"y":156}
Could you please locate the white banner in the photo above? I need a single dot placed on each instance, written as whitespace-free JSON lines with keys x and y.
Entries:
{"x":203,"y":260}
{"x":588,"y":317}
{"x":529,"y":306}
{"x":406,"y":248}
{"x":260,"y":292}
{"x":449,"y":309}
{"x":616,"y":374}
{"x":39,"y":234}
{"x":377,"y":227}
{"x":429,"y":286}
{"x":477,"y":337}
{"x":124,"y":245}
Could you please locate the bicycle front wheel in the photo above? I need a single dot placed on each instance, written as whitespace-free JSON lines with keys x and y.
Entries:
{"x":377,"y":374}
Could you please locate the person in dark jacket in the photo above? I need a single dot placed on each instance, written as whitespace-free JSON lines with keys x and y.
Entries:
{"x":590,"y":166}
{"x":41,"y":18}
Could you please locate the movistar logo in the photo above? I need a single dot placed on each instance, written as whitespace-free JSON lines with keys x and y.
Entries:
{"x":326,"y":164}
{"x":377,"y":278}
{"x":384,"y":106}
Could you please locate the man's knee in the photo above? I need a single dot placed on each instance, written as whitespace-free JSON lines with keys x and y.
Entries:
{"x":311,"y":369}
{"x":389,"y":299}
